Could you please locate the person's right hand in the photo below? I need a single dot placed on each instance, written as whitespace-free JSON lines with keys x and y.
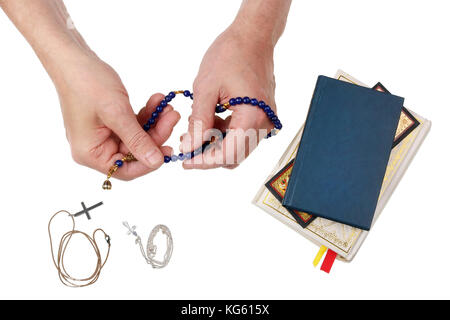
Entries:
{"x":101,"y":126}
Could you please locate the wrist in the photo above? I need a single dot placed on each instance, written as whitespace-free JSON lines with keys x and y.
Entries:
{"x":48,"y":28}
{"x":262,"y":21}
{"x":252,"y":35}
{"x":62,"y":55}
{"x":251,"y":40}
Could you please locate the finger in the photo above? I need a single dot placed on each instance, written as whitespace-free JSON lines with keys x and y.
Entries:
{"x":201,"y":119}
{"x":219,"y":124}
{"x":229,"y":153}
{"x":135,"y":169}
{"x":167,"y":151}
{"x":164,"y":127}
{"x":100,"y":157}
{"x":122,"y":120}
{"x":248,"y":126}
{"x":146,"y":112}
{"x":249,"y":117}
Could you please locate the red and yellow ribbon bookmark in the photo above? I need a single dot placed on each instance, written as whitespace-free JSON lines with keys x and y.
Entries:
{"x":328,"y":262}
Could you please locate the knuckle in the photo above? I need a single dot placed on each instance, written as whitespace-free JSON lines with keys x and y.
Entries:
{"x":138,"y":140}
{"x":79,"y":155}
{"x":114,"y":111}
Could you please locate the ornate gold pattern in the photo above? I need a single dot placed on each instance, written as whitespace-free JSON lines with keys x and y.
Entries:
{"x":280,"y":186}
{"x":404,"y":123}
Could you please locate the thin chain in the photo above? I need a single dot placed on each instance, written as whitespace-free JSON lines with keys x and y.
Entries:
{"x":149,"y":256}
{"x":64,"y":276}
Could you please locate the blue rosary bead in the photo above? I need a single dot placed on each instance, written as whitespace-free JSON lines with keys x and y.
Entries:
{"x":270,"y":114}
{"x":181,"y":156}
{"x":159,"y":109}
{"x":174,"y":158}
{"x":266,"y":109}
{"x":232,"y":102}
{"x":239,"y":100}
{"x":119,"y":163}
{"x":254,"y":102}
{"x":246,"y":100}
{"x":163,"y":103}
{"x":262,"y":104}
{"x":151,"y":121}
{"x":196,"y":152}
{"x":167,"y":99}
{"x":155,"y":115}
{"x":166,"y":159}
{"x":146,"y":127}
{"x":172,"y":94}
{"x":187,"y":93}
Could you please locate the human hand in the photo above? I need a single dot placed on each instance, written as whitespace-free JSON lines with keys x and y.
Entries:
{"x":232,"y":67}
{"x":101,"y":126}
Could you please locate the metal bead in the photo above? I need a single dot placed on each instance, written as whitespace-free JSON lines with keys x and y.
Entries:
{"x":130,"y":157}
{"x":113,"y":169}
{"x":107,"y":185}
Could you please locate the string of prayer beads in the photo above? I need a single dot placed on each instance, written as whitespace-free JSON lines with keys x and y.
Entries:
{"x":219,"y":109}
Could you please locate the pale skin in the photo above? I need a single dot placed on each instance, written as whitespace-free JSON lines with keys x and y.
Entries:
{"x":100,"y":123}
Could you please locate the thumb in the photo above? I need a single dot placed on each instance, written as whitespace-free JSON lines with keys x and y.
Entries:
{"x":123,"y":122}
{"x":201,"y":119}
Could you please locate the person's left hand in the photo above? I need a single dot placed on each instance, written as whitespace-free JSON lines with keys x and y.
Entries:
{"x":234,"y":66}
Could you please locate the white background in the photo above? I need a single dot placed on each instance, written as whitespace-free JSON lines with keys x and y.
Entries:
{"x":224,"y":246}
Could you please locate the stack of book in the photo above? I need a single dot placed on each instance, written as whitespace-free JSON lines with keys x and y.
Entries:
{"x":338,"y":173}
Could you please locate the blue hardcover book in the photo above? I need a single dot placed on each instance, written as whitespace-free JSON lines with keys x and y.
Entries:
{"x":343,"y":153}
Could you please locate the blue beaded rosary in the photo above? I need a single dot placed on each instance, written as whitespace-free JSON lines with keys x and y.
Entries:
{"x":219,"y":109}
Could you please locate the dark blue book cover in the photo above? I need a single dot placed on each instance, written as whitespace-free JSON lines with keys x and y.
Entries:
{"x":343,"y":153}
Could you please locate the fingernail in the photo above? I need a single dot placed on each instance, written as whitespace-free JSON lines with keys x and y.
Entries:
{"x":154,"y":158}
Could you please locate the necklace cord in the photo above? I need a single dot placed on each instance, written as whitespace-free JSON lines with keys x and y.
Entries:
{"x":64,"y":276}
